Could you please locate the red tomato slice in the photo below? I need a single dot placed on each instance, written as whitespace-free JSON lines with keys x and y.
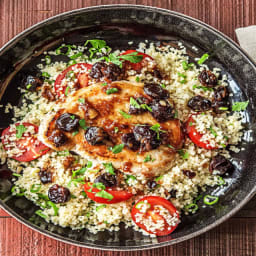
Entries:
{"x":195,"y":136}
{"x":32,"y":146}
{"x":152,"y":203}
{"x":137,"y":66}
{"x":82,"y":78}
{"x":118,"y":195}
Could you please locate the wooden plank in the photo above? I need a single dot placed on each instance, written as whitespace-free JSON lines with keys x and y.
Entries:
{"x":235,"y":237}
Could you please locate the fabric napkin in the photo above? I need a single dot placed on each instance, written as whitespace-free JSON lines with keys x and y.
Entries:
{"x":247,"y":39}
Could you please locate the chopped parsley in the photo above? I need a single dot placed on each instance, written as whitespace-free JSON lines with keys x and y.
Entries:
{"x":72,"y":117}
{"x":158,"y":178}
{"x":48,"y":59}
{"x":75,"y":56}
{"x":82,"y":124}
{"x":74,"y":133}
{"x":156,"y":128}
{"x":109,"y":168}
{"x":124,"y":114}
{"x":145,"y":106}
{"x":239,"y":106}
{"x":184,"y":154}
{"x":84,"y":194}
{"x":81,"y":100}
{"x":67,"y":90}
{"x":223,"y":108}
{"x":97,"y":46}
{"x":111,"y":90}
{"x":148,"y":158}
{"x":104,"y":84}
{"x":40,"y":213}
{"x":182,"y":75}
{"x":130,"y":178}
{"x":64,"y":49}
{"x":35,"y":188}
{"x":55,"y":208}
{"x":204,"y":88}
{"x":183,"y":81}
{"x":203,"y":59}
{"x":104,"y":194}
{"x":134,"y":103}
{"x":117,"y":148}
{"x":29,"y":86}
{"x":100,"y":207}
{"x":213,"y":132}
{"x":163,"y":86}
{"x":186,"y":65}
{"x":137,"y":79}
{"x":20,"y":129}
{"x":45,"y":74}
{"x":116,"y":129}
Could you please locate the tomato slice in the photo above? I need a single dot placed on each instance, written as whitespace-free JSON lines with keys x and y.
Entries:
{"x":82,"y":77}
{"x":195,"y":136}
{"x":137,"y":66}
{"x":149,"y":209}
{"x":32,"y":147}
{"x":118,"y":195}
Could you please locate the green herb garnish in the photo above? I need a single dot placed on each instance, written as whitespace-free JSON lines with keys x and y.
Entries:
{"x":109,"y":168}
{"x":67,"y":90}
{"x":35,"y":188}
{"x":203,"y":59}
{"x":204,"y":88}
{"x":137,"y":79}
{"x":116,"y":129}
{"x":147,"y":158}
{"x":130,"y":178}
{"x":182,"y":75}
{"x":156,"y":128}
{"x":81,"y":100}
{"x":191,"y":208}
{"x":20,"y":129}
{"x":40,"y":213}
{"x":48,"y":60}
{"x":29,"y":86}
{"x":82,"y":124}
{"x":75,"y":56}
{"x":111,"y":90}
{"x":124,"y":114}
{"x":163,"y":86}
{"x":16,"y":174}
{"x":100,"y":207}
{"x":239,"y":106}
{"x":104,"y":84}
{"x":210,"y":200}
{"x":45,"y":74}
{"x":184,"y":154}
{"x":104,"y":194}
{"x":55,"y":208}
{"x":74,"y":133}
{"x":213,"y":132}
{"x":117,"y":148}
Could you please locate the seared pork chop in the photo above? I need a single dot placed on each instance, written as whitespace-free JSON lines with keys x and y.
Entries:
{"x":95,"y":123}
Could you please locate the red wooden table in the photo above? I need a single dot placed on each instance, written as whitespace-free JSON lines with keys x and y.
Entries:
{"x":235,"y":237}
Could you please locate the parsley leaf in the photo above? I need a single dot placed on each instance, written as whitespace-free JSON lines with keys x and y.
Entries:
{"x":156,"y":128}
{"x":67,"y":90}
{"x":213,"y":132}
{"x":82,"y":123}
{"x":109,"y":168}
{"x":239,"y":106}
{"x":134,"y":103}
{"x":20,"y":129}
{"x":133,"y":57}
{"x":117,"y":148}
{"x":104,"y":194}
{"x":100,"y":207}
{"x":183,"y":154}
{"x":111,"y":90}
{"x":145,"y":106}
{"x":116,"y":129}
{"x":81,"y":100}
{"x":148,"y":158}
{"x":124,"y":114}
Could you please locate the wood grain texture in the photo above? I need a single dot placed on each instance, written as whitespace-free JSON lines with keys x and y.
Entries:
{"x":236,"y":237}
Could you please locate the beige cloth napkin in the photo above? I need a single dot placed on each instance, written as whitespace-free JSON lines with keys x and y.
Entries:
{"x":247,"y":39}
